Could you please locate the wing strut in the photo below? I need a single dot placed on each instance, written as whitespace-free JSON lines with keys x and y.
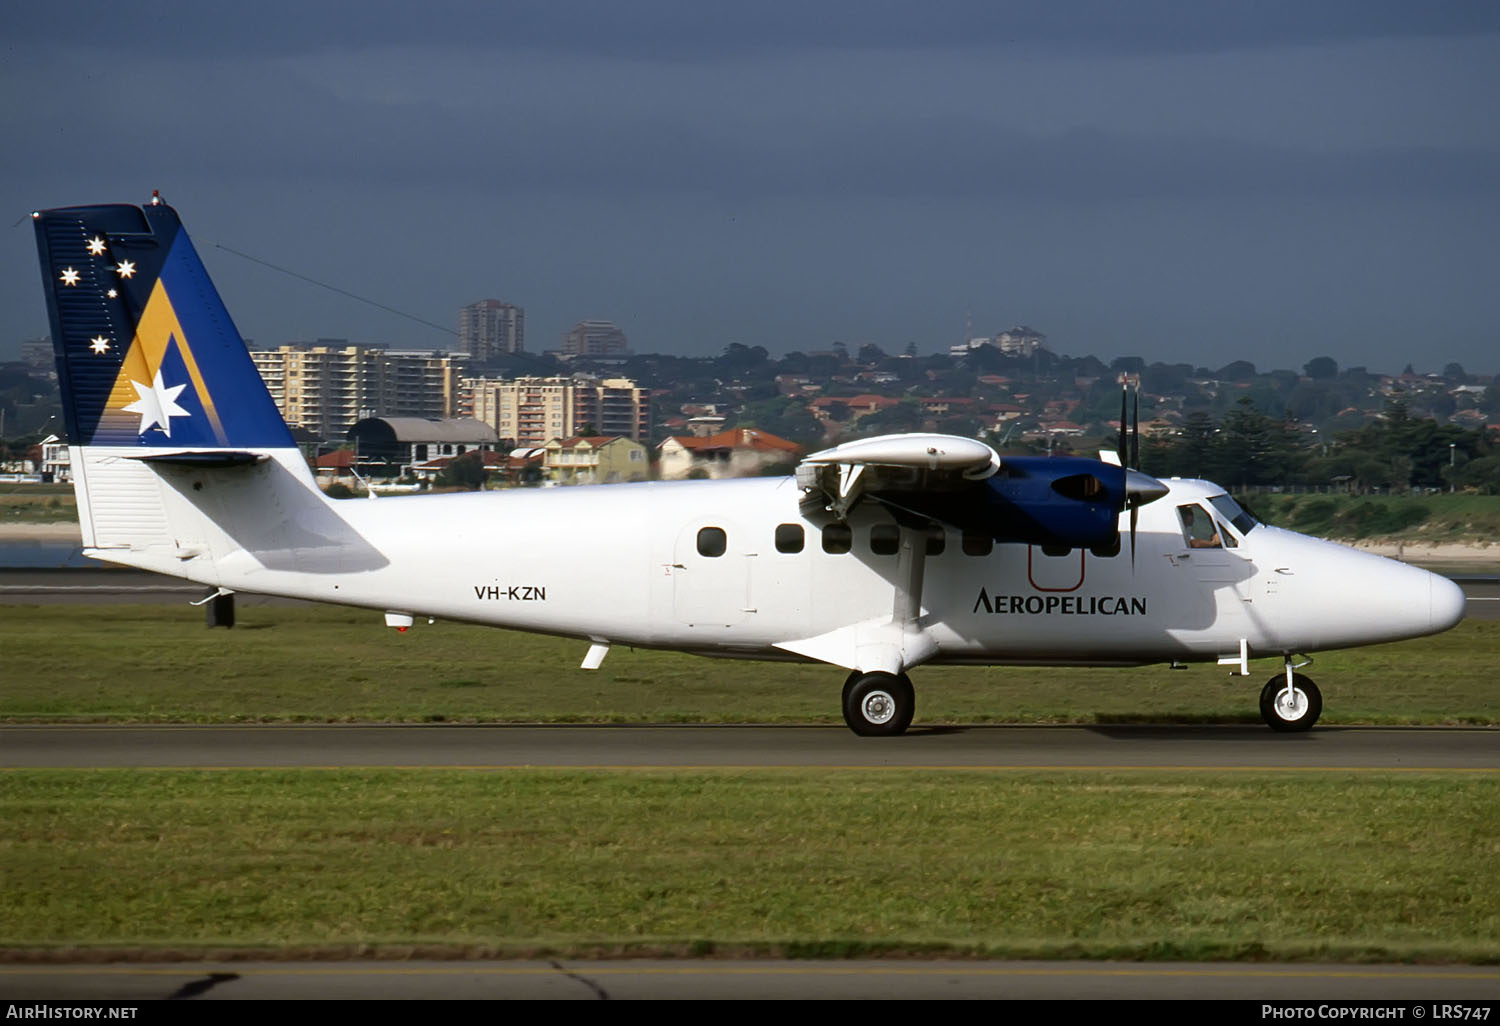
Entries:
{"x":911,"y":567}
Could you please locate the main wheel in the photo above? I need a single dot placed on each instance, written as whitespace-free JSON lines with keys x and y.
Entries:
{"x":1297,"y":711}
{"x":879,"y":704}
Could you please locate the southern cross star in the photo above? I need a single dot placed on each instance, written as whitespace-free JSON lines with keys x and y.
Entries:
{"x":96,"y":246}
{"x":126,"y":268}
{"x":69,"y":276}
{"x":99,"y":344}
{"x":157,"y":404}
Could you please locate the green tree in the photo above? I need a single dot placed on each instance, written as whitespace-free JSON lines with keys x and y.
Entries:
{"x":466,"y":471}
{"x":1321,"y":368}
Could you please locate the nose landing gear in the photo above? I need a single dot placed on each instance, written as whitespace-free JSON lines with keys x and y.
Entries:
{"x":1290,"y":701}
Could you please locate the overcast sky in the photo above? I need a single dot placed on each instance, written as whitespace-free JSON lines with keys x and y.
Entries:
{"x":1190,"y":182}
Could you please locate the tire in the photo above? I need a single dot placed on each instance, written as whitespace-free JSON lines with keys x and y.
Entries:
{"x":879,"y":704}
{"x":1307,"y":704}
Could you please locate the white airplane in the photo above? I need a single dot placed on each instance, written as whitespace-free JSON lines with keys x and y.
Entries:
{"x":879,"y":556}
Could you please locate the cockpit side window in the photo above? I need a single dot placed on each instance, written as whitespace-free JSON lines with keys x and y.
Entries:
{"x":1198,"y":527}
{"x":1240,"y":518}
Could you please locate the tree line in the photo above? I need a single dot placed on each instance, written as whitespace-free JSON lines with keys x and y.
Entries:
{"x":1397,"y":453}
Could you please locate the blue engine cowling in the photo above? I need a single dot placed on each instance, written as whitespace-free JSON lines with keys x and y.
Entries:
{"x":1036,"y":500}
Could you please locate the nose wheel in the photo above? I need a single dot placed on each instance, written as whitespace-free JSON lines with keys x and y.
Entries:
{"x":878,"y":704}
{"x":1290,"y":702}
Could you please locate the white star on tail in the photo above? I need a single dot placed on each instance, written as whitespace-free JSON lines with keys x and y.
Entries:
{"x":69,"y":276}
{"x":96,"y":246}
{"x":157,"y":404}
{"x":99,"y":344}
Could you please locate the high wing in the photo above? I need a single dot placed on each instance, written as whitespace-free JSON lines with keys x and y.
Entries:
{"x":841,"y":476}
{"x":961,"y":482}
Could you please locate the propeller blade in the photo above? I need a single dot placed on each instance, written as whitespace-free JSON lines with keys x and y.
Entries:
{"x":1120,"y":449}
{"x":1135,"y":512}
{"x":1135,"y":430}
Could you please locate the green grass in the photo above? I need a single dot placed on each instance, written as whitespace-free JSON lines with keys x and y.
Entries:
{"x":1409,"y":518}
{"x":317,"y":663}
{"x":1310,"y":865}
{"x":37,"y":504}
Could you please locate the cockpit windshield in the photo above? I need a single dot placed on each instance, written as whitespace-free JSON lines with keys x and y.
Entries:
{"x":1242,"y":519}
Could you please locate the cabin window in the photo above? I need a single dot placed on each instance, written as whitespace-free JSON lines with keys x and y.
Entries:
{"x":789,"y":538}
{"x":977,"y":543}
{"x":936,"y":540}
{"x":1241,"y":518}
{"x":712,"y":541}
{"x":1109,"y":549}
{"x":837,"y":538}
{"x":885,"y":539}
{"x":1198,"y":527}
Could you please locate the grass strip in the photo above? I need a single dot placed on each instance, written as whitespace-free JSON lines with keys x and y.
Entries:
{"x":328,"y":664}
{"x":1146,"y":864}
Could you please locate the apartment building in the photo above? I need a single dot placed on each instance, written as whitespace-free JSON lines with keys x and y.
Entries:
{"x":327,"y":389}
{"x":491,"y":328}
{"x":595,"y":338}
{"x":531,"y":411}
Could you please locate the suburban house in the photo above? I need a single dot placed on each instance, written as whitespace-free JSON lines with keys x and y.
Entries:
{"x":738,"y":452}
{"x":597,"y":459}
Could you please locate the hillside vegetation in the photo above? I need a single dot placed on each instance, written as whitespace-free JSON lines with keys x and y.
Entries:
{"x":1407,"y":518}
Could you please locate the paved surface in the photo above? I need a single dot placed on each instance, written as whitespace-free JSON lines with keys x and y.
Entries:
{"x":635,"y":979}
{"x":1169,"y":747}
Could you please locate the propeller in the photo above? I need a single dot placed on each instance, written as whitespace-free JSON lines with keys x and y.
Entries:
{"x":1139,"y":488}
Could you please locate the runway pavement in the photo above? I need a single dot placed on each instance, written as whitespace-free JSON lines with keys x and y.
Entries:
{"x":744,"y":980}
{"x":689,"y":747}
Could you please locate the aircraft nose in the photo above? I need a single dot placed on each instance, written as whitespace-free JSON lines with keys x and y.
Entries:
{"x":1446,"y":602}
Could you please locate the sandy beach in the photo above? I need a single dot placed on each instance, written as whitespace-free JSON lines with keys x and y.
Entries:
{"x":64,"y":530}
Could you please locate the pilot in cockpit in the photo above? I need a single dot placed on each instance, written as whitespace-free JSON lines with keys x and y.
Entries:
{"x":1201,"y":533}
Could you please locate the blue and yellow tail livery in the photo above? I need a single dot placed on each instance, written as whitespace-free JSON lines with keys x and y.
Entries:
{"x":147,"y":355}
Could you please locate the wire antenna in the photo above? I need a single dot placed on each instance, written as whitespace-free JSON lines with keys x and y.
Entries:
{"x":335,"y":288}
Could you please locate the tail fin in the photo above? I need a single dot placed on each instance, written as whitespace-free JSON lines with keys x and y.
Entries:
{"x":146,"y":353}
{"x":180,"y":459}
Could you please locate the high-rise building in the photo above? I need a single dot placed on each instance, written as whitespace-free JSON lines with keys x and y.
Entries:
{"x":533,"y":411}
{"x":595,"y":338}
{"x":491,"y":328}
{"x":327,"y":389}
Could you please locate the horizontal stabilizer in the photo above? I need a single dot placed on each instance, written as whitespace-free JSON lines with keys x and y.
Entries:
{"x":211,"y":460}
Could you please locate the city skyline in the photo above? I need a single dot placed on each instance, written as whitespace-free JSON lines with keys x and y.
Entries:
{"x":1181,"y":182}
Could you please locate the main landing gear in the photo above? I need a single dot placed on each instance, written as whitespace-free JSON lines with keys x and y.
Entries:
{"x":1290,"y":702}
{"x":878,"y":704}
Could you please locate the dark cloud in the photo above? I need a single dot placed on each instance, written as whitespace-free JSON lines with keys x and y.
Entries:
{"x":1147,"y":174}
{"x":698,"y":30}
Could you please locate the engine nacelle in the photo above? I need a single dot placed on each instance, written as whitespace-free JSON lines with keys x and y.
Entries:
{"x":1035,"y":500}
